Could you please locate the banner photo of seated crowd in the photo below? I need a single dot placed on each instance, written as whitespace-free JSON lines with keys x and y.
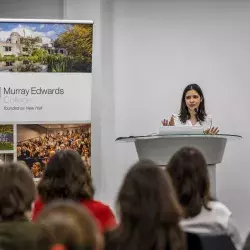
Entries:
{"x":36,"y":143}
{"x":45,"y":73}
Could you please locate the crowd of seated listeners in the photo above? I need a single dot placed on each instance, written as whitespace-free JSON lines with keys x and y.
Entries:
{"x":157,"y":209}
{"x":36,"y":152}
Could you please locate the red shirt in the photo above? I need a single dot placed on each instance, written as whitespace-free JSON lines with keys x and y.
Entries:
{"x":101,"y":212}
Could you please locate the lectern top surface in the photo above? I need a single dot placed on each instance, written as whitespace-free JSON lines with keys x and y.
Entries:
{"x":157,"y":136}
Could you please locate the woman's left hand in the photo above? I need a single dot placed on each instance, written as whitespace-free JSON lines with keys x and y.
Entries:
{"x":211,"y":131}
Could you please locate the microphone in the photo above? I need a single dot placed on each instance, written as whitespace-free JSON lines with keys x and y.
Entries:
{"x":196,"y":114}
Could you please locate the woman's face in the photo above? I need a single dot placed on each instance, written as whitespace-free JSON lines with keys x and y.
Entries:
{"x":35,"y":168}
{"x":192,"y":100}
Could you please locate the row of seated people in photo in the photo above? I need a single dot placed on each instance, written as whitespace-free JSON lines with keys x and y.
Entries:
{"x":158,"y":209}
{"x":35,"y":152}
{"x":78,"y":140}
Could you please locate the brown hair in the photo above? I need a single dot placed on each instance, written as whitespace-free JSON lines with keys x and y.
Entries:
{"x":17,"y":191}
{"x":149,"y":210}
{"x":66,"y":177}
{"x":68,"y":223}
{"x":188,"y":171}
{"x":22,"y":236}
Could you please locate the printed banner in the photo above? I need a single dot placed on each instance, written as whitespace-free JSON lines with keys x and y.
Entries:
{"x":45,"y":90}
{"x":45,"y":97}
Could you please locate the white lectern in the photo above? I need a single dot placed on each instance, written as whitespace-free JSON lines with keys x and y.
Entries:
{"x":160,"y":148}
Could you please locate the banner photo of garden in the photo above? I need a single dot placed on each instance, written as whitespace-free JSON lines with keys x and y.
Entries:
{"x":6,"y":143}
{"x":45,"y":47}
{"x":6,"y":137}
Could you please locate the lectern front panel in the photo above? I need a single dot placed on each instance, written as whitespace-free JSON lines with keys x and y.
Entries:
{"x":160,"y":150}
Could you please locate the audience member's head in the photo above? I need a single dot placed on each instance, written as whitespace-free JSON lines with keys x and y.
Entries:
{"x":65,"y":177}
{"x":17,"y":191}
{"x":51,"y":153}
{"x":148,"y":208}
{"x":36,"y":168}
{"x":188,"y":171}
{"x":23,"y":236}
{"x":69,"y":224}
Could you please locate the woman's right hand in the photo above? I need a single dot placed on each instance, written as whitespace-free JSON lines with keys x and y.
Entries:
{"x":168,"y":123}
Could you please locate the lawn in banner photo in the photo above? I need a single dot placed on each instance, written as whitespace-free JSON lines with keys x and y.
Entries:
{"x":6,"y":137}
{"x":37,"y":143}
{"x":45,"y":47}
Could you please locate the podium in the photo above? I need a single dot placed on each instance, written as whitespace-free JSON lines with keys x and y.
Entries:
{"x":160,"y":148}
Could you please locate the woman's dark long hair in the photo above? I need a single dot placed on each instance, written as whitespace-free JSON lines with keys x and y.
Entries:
{"x":149,"y":210}
{"x":188,"y":171}
{"x":184,"y":114}
{"x":66,"y":177}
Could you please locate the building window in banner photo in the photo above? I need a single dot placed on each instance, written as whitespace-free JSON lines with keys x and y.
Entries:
{"x":45,"y":47}
{"x":37,"y":143}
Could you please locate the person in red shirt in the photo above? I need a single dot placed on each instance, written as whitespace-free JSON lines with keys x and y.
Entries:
{"x":66,"y":177}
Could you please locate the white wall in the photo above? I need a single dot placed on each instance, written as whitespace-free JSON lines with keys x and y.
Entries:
{"x":31,"y":9}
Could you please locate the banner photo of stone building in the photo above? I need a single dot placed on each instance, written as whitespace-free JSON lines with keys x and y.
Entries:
{"x":45,"y":47}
